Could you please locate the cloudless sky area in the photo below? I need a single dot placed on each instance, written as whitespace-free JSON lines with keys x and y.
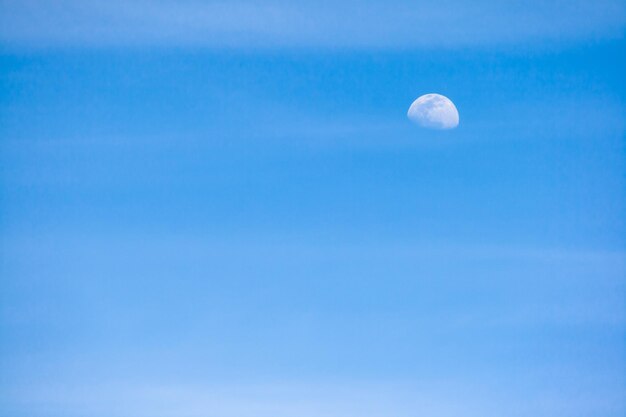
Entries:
{"x":220,"y":209}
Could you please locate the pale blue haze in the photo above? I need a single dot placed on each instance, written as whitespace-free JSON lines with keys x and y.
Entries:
{"x":220,"y":209}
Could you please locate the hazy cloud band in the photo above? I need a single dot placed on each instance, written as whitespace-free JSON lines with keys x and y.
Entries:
{"x":276,"y":23}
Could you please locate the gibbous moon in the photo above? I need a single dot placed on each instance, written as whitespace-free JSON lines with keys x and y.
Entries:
{"x":434,"y":111}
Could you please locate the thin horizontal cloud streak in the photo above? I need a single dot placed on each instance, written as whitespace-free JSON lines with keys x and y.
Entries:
{"x":277,"y":23}
{"x":290,"y":398}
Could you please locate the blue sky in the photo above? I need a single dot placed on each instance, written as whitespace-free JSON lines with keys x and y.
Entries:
{"x":220,"y":208}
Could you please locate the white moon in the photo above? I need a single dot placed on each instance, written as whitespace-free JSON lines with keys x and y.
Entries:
{"x":434,"y":111}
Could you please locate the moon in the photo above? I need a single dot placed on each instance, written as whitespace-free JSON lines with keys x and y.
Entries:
{"x":434,"y":111}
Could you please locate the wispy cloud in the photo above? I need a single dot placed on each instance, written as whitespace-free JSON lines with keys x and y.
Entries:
{"x":277,"y":23}
{"x":436,"y":397}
